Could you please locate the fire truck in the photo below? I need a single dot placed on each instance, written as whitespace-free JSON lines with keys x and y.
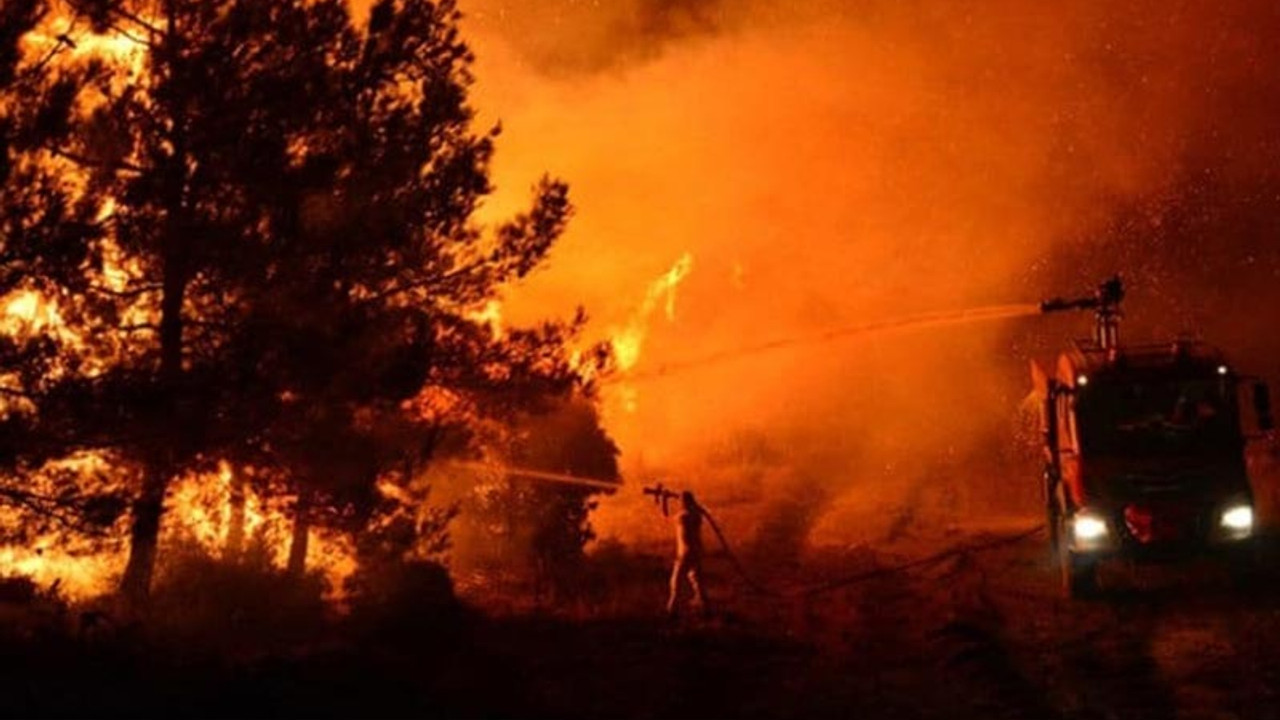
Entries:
{"x":1144,"y":449}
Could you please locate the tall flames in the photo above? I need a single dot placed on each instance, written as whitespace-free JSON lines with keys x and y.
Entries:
{"x":26,"y":312}
{"x":213,"y":514}
{"x":628,"y":340}
{"x":224,"y":517}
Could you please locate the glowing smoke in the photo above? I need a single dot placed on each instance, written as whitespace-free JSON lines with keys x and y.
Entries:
{"x":831,"y":164}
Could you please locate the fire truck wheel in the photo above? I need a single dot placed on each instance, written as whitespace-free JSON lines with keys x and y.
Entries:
{"x":1244,"y":565}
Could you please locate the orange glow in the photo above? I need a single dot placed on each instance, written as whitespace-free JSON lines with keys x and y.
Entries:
{"x":76,"y":577}
{"x":200,"y":509}
{"x":74,"y":41}
{"x":489,"y":314}
{"x":628,"y":341}
{"x":26,"y":312}
{"x":831,"y":167}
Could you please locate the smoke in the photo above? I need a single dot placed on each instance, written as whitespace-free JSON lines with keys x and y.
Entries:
{"x":829,"y":164}
{"x":563,"y":38}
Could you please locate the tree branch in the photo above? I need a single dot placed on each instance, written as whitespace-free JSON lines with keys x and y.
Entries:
{"x":137,"y":20}
{"x":131,"y":293}
{"x":62,"y":42}
{"x":60,"y":510}
{"x":90,"y":162}
{"x":422,"y":283}
{"x":118,"y":10}
{"x":132,"y":37}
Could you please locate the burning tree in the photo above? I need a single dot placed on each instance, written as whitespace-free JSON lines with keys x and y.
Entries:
{"x":253,"y":219}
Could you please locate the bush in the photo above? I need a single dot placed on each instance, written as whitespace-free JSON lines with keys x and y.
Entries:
{"x":407,"y":599}
{"x":212,"y":604}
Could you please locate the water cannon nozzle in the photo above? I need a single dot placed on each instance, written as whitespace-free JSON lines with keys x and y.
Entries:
{"x":1111,"y":293}
{"x":1105,"y":301}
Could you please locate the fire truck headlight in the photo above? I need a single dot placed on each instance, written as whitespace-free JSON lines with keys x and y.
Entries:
{"x":1088,"y":528}
{"x":1238,"y":519}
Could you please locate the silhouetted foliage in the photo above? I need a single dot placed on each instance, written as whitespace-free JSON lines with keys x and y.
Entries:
{"x":545,"y":525}
{"x":210,"y":605}
{"x":259,"y":236}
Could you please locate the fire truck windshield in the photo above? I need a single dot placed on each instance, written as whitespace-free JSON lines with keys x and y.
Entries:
{"x":1146,"y":418}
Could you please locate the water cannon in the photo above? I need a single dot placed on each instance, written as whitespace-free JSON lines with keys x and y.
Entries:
{"x":1105,"y":302}
{"x":662,"y":496}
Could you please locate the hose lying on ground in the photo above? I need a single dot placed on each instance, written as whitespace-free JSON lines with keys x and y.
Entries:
{"x":830,"y":585}
{"x":920,"y":562}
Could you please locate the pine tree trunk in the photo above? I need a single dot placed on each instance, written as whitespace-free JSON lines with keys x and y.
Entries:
{"x":235,"y":523}
{"x":301,"y":535}
{"x":144,"y":536}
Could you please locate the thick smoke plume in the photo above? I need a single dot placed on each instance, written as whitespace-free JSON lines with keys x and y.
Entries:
{"x":831,"y":163}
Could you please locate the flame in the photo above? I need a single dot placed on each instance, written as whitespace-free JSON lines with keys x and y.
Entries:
{"x":65,"y":41}
{"x":489,"y":314}
{"x":63,"y":38}
{"x":77,"y":577}
{"x":199,"y":505}
{"x":27,"y":312}
{"x":201,"y":508}
{"x":79,"y":567}
{"x":628,"y":341}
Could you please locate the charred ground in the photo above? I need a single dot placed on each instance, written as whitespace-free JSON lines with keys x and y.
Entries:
{"x":980,"y":632}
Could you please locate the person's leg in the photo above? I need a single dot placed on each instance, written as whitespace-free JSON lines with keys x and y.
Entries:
{"x":694,"y":572}
{"x":673,"y":600}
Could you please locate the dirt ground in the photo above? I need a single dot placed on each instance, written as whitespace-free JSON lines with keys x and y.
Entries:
{"x":975,"y":634}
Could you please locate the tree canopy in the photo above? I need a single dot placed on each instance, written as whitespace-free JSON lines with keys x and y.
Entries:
{"x":252,"y":222}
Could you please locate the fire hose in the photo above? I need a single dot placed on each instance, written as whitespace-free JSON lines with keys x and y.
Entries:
{"x":870,"y":574}
{"x":733,"y":558}
{"x":662,"y":495}
{"x":938,"y":557}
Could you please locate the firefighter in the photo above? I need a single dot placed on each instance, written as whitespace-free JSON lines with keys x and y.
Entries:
{"x":688,"y":563}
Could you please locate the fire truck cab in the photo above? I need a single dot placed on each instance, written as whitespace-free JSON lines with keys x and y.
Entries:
{"x":1144,"y":449}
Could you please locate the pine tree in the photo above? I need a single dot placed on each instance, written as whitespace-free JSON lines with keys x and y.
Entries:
{"x":266,"y":251}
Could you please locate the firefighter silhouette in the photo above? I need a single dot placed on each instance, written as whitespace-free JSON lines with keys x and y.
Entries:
{"x":688,"y":565}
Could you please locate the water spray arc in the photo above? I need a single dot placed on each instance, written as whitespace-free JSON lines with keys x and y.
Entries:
{"x":911,"y":322}
{"x":562,"y":478}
